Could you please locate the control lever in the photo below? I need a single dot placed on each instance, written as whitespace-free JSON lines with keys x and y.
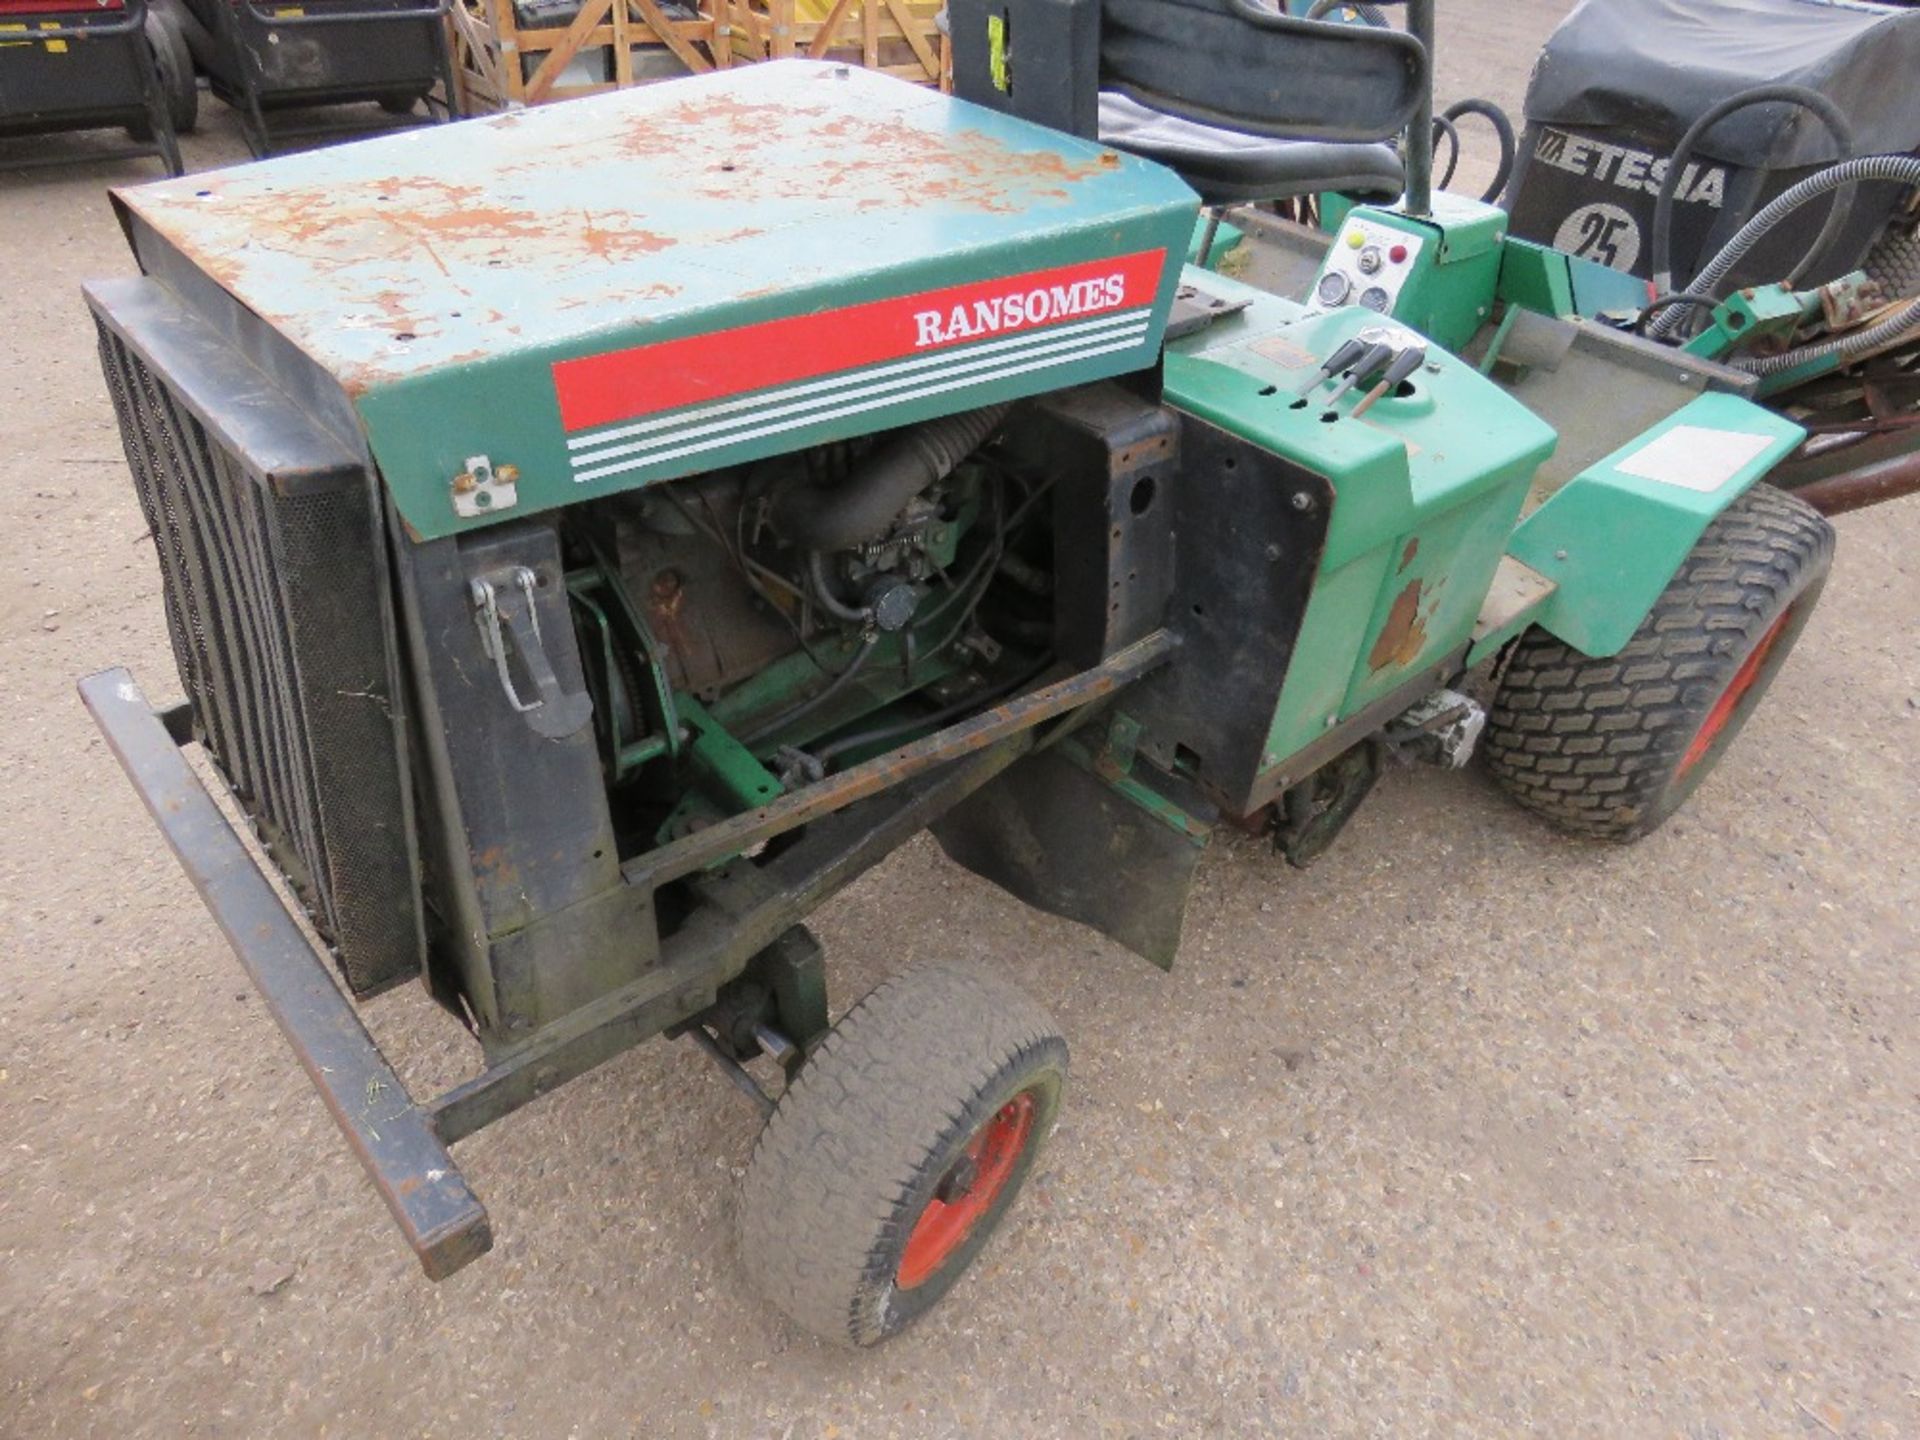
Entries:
{"x":1349,"y":351}
{"x":1404,"y":364}
{"x":1379,"y":354}
{"x":554,"y":713}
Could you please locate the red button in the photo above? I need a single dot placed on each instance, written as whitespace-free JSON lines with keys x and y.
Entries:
{"x":1397,"y":254}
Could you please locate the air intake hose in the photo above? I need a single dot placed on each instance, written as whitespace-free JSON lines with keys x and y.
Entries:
{"x":862,"y":506}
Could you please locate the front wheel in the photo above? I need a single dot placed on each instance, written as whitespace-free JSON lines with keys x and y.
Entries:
{"x":898,"y":1150}
{"x":1609,"y":748}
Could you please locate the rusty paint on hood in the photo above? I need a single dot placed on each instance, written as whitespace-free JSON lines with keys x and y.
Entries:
{"x":389,"y":258}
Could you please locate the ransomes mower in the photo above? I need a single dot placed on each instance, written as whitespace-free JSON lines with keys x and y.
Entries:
{"x":592,"y":537}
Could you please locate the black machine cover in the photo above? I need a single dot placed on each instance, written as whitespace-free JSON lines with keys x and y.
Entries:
{"x":1656,"y":65}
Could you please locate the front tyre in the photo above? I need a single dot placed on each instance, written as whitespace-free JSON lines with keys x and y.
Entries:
{"x":898,"y":1150}
{"x":1610,"y":748}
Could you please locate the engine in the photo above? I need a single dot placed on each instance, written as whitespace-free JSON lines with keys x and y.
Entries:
{"x":767,"y":624}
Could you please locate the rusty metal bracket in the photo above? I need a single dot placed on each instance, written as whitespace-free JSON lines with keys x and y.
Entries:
{"x":728,"y":838}
{"x":443,"y":1221}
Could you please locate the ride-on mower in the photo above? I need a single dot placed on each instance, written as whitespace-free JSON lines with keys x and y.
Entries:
{"x":591,"y":537}
{"x":1655,"y":132}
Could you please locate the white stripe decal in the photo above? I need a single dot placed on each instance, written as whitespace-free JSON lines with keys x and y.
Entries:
{"x":857,"y":377}
{"x":660,"y":457}
{"x":1131,"y":333}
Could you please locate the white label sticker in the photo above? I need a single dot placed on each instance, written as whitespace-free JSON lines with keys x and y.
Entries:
{"x":1694,"y":457}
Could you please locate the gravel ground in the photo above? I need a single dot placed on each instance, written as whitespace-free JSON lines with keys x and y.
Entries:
{"x":1468,"y":1131}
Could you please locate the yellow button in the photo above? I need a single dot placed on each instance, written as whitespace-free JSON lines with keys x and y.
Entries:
{"x":1355,"y":239}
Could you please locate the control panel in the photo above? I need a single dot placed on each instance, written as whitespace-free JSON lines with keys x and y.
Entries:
{"x":1368,"y":264}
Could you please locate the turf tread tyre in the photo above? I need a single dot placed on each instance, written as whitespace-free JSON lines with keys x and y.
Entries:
{"x":874,"y":1119}
{"x":1595,"y":746}
{"x":1895,"y":260}
{"x":173,"y":64}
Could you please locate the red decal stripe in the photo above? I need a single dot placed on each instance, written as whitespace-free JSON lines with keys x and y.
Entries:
{"x":647,"y":379}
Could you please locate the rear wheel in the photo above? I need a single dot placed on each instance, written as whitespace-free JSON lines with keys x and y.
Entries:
{"x":897,"y":1151}
{"x":1609,"y":748}
{"x":1895,"y":260}
{"x":173,"y":63}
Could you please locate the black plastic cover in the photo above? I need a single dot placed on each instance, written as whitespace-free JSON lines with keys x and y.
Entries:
{"x":1234,"y":64}
{"x":1228,"y":165}
{"x":1654,"y":66}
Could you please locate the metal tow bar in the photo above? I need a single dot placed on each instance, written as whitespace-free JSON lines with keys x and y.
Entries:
{"x":443,"y":1220}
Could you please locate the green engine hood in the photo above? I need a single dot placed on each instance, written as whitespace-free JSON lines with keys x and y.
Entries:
{"x":655,"y":282}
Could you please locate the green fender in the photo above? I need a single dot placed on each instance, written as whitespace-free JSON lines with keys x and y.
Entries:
{"x":1610,"y":539}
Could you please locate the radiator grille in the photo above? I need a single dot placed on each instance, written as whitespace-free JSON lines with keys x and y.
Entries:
{"x":274,"y":607}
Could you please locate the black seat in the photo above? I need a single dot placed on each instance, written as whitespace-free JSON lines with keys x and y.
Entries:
{"x":1228,"y":166}
{"x":1242,"y":101}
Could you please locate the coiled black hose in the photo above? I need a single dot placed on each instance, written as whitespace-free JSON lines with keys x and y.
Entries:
{"x":1369,"y":14}
{"x":1809,"y":100}
{"x":1692,"y":299}
{"x":1503,"y":131}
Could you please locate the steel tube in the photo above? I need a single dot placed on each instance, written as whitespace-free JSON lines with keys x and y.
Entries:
{"x":1419,"y":194}
{"x":393,"y":1137}
{"x":1869,"y":485}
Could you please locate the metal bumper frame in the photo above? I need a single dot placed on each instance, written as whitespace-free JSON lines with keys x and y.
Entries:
{"x":393,"y":1137}
{"x":851,"y":821}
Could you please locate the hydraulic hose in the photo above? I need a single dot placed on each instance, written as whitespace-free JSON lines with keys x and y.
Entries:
{"x":1503,"y":131}
{"x":839,"y":516}
{"x":1809,"y":100}
{"x":1691,"y":298}
{"x":1443,"y":126}
{"x":823,"y":592}
{"x":1901,"y":169}
{"x":1370,"y":14}
{"x":814,"y":701}
{"x":1900,"y":325}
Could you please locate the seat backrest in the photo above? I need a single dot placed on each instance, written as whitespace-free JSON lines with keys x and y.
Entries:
{"x":1235,"y":64}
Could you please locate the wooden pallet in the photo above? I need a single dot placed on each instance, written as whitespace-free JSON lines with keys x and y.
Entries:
{"x":896,"y":36}
{"x":502,"y":64}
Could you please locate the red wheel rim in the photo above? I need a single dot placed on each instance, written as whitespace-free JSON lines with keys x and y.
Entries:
{"x":1728,"y":705}
{"x":968,"y":1190}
